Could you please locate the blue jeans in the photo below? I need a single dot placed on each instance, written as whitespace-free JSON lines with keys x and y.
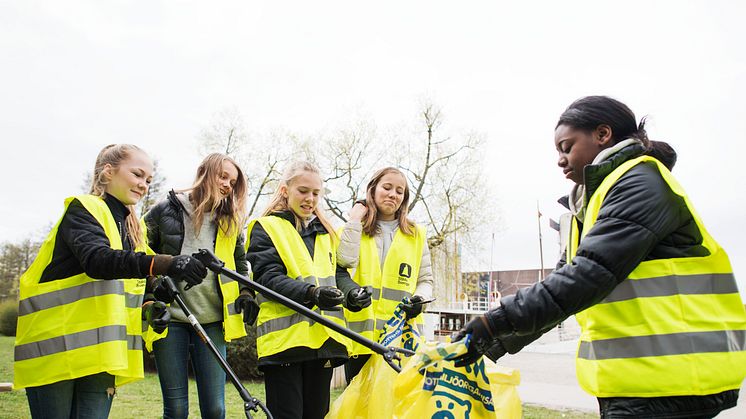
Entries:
{"x":86,"y":397}
{"x":172,"y":354}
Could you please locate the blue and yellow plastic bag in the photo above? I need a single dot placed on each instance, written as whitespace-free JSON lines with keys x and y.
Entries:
{"x":429,"y":386}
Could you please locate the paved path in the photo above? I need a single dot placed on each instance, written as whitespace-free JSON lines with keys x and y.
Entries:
{"x":548,"y":379}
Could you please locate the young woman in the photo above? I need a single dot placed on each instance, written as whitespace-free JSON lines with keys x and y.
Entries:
{"x":663,"y":324}
{"x":209,"y":215}
{"x":79,"y":315}
{"x":389,"y":254}
{"x":292,"y":251}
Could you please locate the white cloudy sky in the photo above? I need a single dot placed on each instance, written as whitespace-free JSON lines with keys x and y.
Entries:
{"x":76,"y":75}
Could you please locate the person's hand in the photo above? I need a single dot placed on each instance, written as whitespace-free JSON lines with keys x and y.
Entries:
{"x":245,"y":303}
{"x":414,"y":307}
{"x":359,"y":298}
{"x":483,"y":337}
{"x":358,"y":211}
{"x":157,"y":315}
{"x":188,"y":269}
{"x":161,"y":291}
{"x":325,"y":297}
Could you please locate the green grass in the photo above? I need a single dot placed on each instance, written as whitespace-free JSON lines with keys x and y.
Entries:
{"x":143,"y":398}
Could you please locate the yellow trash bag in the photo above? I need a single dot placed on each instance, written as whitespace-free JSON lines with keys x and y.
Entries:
{"x":429,"y":386}
{"x":371,"y":392}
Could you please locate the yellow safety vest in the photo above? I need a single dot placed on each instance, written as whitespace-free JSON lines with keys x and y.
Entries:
{"x":673,"y":327}
{"x":280,"y":328}
{"x":397,"y":280}
{"x":78,"y":326}
{"x":233,"y":326}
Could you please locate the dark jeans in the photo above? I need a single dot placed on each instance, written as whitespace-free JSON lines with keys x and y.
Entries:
{"x":172,"y":354}
{"x":354,"y":365}
{"x":298,"y":390}
{"x":85,"y":397}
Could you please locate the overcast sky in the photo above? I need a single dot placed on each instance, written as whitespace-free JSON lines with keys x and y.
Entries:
{"x":76,"y":76}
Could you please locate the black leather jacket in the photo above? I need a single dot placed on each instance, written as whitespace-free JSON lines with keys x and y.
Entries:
{"x":641,"y":219}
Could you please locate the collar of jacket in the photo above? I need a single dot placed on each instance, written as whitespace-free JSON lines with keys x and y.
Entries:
{"x":314,"y":226}
{"x":594,"y":174}
{"x":118,"y":210}
{"x":176,"y":202}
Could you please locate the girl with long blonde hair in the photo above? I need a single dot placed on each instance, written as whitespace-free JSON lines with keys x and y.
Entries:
{"x":291,"y":251}
{"x":80,"y":316}
{"x":210,"y":214}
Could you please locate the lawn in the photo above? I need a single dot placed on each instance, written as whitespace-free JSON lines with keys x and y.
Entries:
{"x":143,"y":398}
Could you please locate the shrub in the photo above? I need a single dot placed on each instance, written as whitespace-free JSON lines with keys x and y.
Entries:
{"x":8,"y":317}
{"x":242,"y":356}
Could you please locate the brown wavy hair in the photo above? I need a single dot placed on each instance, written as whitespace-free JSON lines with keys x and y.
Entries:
{"x":228,"y":213}
{"x":279,"y":202}
{"x":114,"y":155}
{"x":370,"y":224}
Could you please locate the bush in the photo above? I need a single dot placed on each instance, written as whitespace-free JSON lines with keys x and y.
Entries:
{"x":242,"y":356}
{"x":8,"y":317}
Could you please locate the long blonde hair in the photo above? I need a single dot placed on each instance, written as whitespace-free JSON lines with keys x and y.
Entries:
{"x":229,"y":213}
{"x":114,"y":155}
{"x":370,"y":224}
{"x":279,"y":202}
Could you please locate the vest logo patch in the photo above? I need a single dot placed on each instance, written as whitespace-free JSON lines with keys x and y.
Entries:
{"x":405,"y":272}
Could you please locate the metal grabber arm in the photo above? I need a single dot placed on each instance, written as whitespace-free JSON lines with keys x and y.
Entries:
{"x":390,"y":354}
{"x":249,"y":402}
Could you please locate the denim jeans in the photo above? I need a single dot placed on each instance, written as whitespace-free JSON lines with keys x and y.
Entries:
{"x":86,"y":397}
{"x":172,"y":354}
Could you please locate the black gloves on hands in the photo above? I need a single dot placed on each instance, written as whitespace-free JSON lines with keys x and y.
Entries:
{"x":358,"y":298}
{"x":246,"y":304}
{"x":483,"y":337}
{"x":157,"y":315}
{"x":188,"y":269}
{"x":414,"y":307}
{"x":325,"y":297}
{"x":161,"y":291}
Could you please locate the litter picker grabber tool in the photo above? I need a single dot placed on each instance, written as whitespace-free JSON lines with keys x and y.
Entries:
{"x":216,"y":265}
{"x":249,"y":402}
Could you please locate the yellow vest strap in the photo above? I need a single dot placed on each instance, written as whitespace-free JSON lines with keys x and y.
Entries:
{"x":662,"y":345}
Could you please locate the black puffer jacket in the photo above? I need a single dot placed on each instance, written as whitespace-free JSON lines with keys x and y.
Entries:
{"x":641,"y":219}
{"x":165,"y":224}
{"x":269,"y":270}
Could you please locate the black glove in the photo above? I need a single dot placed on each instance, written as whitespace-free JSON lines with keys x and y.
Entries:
{"x":245,"y":303}
{"x":157,"y":315}
{"x":188,"y":269}
{"x":483,"y":337}
{"x":414,"y":307}
{"x":358,"y":298}
{"x":161,"y":291}
{"x":325,"y":297}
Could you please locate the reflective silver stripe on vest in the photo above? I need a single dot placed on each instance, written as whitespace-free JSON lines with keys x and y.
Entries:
{"x":362,"y":326}
{"x":662,"y":345}
{"x":232,"y":309}
{"x":224,"y":279}
{"x":69,"y":295}
{"x":672,"y":285}
{"x":133,"y":300}
{"x":69,"y":342}
{"x":134,"y":342}
{"x":283,"y":323}
{"x":395,"y":295}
